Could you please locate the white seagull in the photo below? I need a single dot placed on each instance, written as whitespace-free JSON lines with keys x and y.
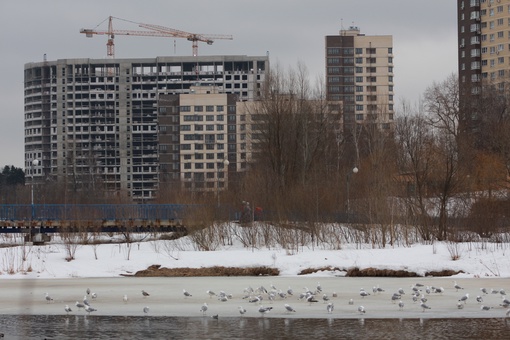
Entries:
{"x":144,"y":293}
{"x":424,"y":306}
{"x":48,"y":298}
{"x":401,"y":305}
{"x":456,"y":286}
{"x":242,"y":311}
{"x":89,"y":309}
{"x":203,"y":309}
{"x":146,"y":310}
{"x":79,"y":305}
{"x":330,"y":307}
{"x":361,"y":310}
{"x":263,"y":310}
{"x":464,"y":298}
{"x":289,"y":308}
{"x":125,"y":298}
{"x":68,"y":309}
{"x":186,"y":294}
{"x":211,"y":293}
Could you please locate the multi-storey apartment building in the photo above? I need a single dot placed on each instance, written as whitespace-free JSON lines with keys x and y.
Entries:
{"x":97,"y":121}
{"x":359,"y":75}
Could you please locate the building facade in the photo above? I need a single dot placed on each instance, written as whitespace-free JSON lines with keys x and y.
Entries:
{"x":96,"y":121}
{"x":483,"y":36}
{"x":359,"y":76}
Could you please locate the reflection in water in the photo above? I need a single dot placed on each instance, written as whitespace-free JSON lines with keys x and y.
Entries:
{"x":107,"y":327}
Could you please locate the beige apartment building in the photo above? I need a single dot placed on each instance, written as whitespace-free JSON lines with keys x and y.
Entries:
{"x":359,"y":75}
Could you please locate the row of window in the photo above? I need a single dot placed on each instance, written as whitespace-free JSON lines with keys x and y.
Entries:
{"x":358,"y":69}
{"x":359,"y":60}
{"x":352,"y":51}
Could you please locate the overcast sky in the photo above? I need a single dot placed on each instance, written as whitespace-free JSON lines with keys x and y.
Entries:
{"x":291,"y":31}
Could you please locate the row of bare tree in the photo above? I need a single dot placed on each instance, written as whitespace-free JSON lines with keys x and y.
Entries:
{"x":437,"y":169}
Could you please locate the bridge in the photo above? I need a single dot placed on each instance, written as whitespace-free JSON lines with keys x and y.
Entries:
{"x":39,"y":219}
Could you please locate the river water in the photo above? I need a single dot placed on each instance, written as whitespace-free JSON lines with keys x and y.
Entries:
{"x":130,"y":327}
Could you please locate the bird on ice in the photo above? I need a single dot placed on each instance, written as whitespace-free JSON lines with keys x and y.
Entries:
{"x":464,"y":298}
{"x":482,"y":307}
{"x":88,"y":291}
{"x":424,"y":306}
{"x":289,"y":308}
{"x":325,"y":297}
{"x":361,"y":310}
{"x":363,"y":293}
{"x":401,"y":291}
{"x":400,"y":305}
{"x":505,"y":301}
{"x":210,"y":293}
{"x":311,"y":298}
{"x":351,"y":302}
{"x":86,"y":301}
{"x":263,"y":310}
{"x":203,"y":309}
{"x":319,"y":287}
{"x":456,"y":286}
{"x":215,"y":317}
{"x":146,"y":310}
{"x":484,"y":290}
{"x":79,"y":305}
{"x":330,"y":307}
{"x":125,"y":298}
{"x":48,"y":298}
{"x":93,"y":295}
{"x":502,"y":292}
{"x":242,"y":311}
{"x":68,"y":309}
{"x":479,"y":299}
{"x":144,"y":293}
{"x":89,"y":309}
{"x":395,"y":297}
{"x":460,"y":305}
{"x":439,"y":290}
{"x":186,"y":294}
{"x":290,"y":291}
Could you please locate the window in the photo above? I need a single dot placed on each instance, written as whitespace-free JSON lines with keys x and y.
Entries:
{"x":185,"y":108}
{"x":332,"y":61}
{"x":359,"y":98}
{"x":219,"y":108}
{"x":219,"y":118}
{"x":390,"y":50}
{"x":359,"y":69}
{"x":199,"y":108}
{"x":370,"y":50}
{"x":371,"y":69}
{"x":209,"y":108}
{"x":359,"y":107}
{"x":209,"y":118}
{"x":359,"y":79}
{"x":360,"y":50}
{"x":359,"y":116}
{"x":359,"y":60}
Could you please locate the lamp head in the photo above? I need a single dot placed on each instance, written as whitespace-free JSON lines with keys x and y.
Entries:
{"x":35,"y":162}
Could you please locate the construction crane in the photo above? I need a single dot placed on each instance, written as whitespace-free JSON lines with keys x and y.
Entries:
{"x":154,"y":31}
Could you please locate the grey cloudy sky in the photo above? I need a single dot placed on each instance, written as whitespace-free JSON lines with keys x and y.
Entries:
{"x":292,"y":31}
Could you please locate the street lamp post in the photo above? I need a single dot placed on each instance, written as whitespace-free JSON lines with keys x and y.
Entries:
{"x":34,"y":163}
{"x":224,"y":167}
{"x":349,"y":174}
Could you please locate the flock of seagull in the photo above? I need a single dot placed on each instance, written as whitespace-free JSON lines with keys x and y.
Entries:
{"x":419,"y":294}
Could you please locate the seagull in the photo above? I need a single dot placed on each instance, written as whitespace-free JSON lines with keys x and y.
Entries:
{"x":211,"y":293}
{"x":424,"y":306}
{"x":427,"y":290}
{"x":456,"y":286}
{"x":460,"y":305}
{"x":93,"y":295}
{"x":242,"y":311}
{"x":263,"y":310}
{"x":310,"y":298}
{"x":464,"y":298}
{"x":361,"y":310}
{"x":319,"y":287}
{"x":186,"y":294}
{"x":144,"y":293}
{"x":507,"y":314}
{"x":125,"y":298}
{"x":215,"y":317}
{"x":223,"y":298}
{"x":325,"y":297}
{"x":423,"y":298}
{"x":79,"y":305}
{"x":401,"y":305}
{"x":203,"y":309}
{"x":439,"y":290}
{"x":330,"y":307}
{"x":419,"y":285}
{"x":85,"y":301}
{"x":334,"y":294}
{"x":502,"y":291}
{"x":89,"y":309}
{"x":351,"y":302}
{"x":484,"y":290}
{"x":48,"y":298}
{"x":485,"y":307}
{"x":363,"y":293}
{"x":505,"y":301}
{"x":88,"y":291}
{"x":479,"y":299}
{"x":289,"y":308}
{"x":290,"y":291}
{"x":146,"y":310}
{"x":494,"y":291}
{"x":395,"y":297}
{"x":255,"y":299}
{"x":401,"y":291}
{"x":68,"y":309}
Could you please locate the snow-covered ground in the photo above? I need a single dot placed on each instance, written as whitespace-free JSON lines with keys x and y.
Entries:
{"x":112,"y":260}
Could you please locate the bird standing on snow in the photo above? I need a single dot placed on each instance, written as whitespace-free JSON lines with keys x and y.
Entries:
{"x":351,"y":302}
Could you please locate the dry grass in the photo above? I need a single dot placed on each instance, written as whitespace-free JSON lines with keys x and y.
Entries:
{"x":157,"y":271}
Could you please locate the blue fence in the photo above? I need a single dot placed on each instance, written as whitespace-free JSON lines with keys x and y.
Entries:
{"x":94,"y":212}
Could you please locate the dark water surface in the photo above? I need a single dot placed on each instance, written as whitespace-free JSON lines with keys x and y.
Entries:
{"x":120,"y":327}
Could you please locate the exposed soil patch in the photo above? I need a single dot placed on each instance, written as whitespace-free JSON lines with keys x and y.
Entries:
{"x":315,"y":270}
{"x":373,"y":272}
{"x":157,"y":271}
